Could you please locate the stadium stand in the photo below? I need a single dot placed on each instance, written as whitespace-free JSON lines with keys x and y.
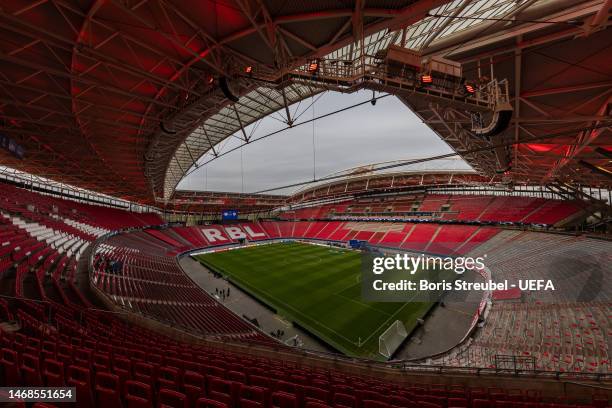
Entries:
{"x":565,"y":330}
{"x":62,"y":340}
{"x":111,"y":363}
{"x":129,"y":269}
{"x":192,"y":235}
{"x":456,"y":207}
{"x":434,"y":238}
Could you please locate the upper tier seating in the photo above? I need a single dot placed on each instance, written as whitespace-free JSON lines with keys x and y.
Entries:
{"x":42,"y":239}
{"x":434,"y":202}
{"x":20,"y":201}
{"x":449,"y":207}
{"x":552,"y":211}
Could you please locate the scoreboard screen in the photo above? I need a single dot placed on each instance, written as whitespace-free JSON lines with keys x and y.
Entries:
{"x":229,"y":215}
{"x":11,"y":146}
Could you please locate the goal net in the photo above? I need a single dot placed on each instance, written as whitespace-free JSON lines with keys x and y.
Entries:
{"x":392,"y":338}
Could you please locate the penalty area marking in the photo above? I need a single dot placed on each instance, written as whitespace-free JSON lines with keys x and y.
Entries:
{"x":390,"y":318}
{"x":317,"y":322}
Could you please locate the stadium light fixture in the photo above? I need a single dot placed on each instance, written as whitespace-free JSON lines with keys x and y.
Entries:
{"x":426,"y":79}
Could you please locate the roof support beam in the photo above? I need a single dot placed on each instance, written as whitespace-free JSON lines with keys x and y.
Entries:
{"x":193,"y":160}
{"x":518,"y":58}
{"x":600,"y":18}
{"x":459,"y":44}
{"x":77,"y":78}
{"x":357,"y":20}
{"x":445,"y":24}
{"x":246,"y":138}
{"x":584,"y":138}
{"x":566,"y":89}
{"x":200,"y":56}
{"x":212,"y":146}
{"x":289,"y":121}
{"x":533,"y":106}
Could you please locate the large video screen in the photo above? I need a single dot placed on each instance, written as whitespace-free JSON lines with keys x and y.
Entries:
{"x":229,"y":215}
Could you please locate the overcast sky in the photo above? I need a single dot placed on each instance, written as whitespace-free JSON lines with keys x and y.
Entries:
{"x":359,"y":136}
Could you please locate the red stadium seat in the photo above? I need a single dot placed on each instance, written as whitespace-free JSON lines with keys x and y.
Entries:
{"x":481,"y":403}
{"x":171,"y":399}
{"x":318,"y":394}
{"x":101,"y":362}
{"x":401,"y":402}
{"x":137,"y":395}
{"x":283,"y":400}
{"x":344,"y":400}
{"x":107,"y":390}
{"x":457,"y":402}
{"x":209,"y":403}
{"x":169,"y":378}
{"x":236,"y":376}
{"x":425,"y":404}
{"x":220,"y":390}
{"x":259,"y":381}
{"x":374,"y":404}
{"x":145,"y":373}
{"x":30,"y":370}
{"x":312,"y":404}
{"x":193,"y":386}
{"x":10,"y":368}
{"x":255,"y":394}
{"x":80,"y":378}
{"x":53,"y":373}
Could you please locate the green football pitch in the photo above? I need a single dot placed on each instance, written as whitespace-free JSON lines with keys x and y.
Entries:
{"x":317,"y":287}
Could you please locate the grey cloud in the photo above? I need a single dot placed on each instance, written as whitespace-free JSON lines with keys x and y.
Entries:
{"x":363,"y":135}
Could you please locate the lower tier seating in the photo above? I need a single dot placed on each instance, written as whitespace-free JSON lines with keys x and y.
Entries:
{"x":134,"y":276}
{"x":115,"y":364}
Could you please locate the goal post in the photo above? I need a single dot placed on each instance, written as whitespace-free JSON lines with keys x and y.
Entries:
{"x":392,"y":338}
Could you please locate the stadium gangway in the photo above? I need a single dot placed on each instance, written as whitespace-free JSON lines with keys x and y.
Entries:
{"x":334,"y":75}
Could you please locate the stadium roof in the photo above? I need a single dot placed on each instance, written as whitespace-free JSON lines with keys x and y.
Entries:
{"x":123,"y":97}
{"x":391,"y":183}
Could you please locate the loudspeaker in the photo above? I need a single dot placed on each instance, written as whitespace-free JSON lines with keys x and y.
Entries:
{"x":225,"y":88}
{"x":165,"y":130}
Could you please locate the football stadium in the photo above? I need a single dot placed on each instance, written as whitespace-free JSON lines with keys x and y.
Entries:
{"x":306,"y":204}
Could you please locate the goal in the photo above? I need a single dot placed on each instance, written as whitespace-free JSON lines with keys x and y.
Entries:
{"x":392,"y":338}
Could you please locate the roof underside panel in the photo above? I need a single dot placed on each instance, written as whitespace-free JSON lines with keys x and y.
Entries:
{"x":123,"y":97}
{"x":251,"y":107}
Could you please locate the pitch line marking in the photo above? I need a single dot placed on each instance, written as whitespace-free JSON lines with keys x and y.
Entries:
{"x":391,"y":317}
{"x":323,"y":325}
{"x":362,"y":304}
{"x":358,"y":302}
{"x":301,"y":313}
